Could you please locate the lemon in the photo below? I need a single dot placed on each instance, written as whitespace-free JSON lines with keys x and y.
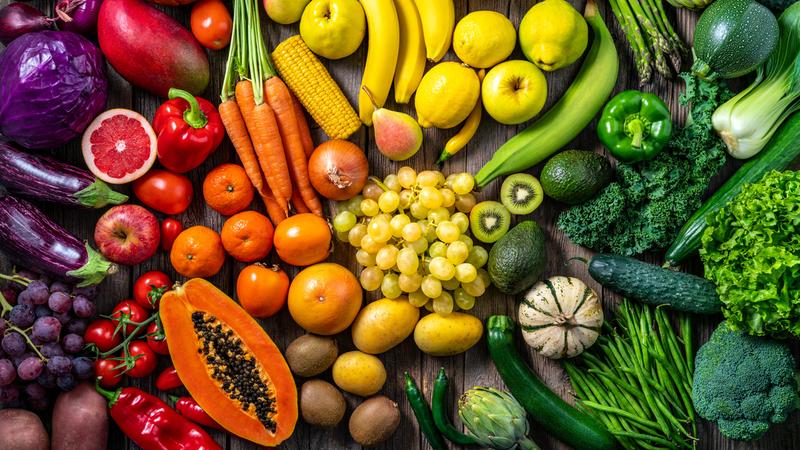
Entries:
{"x":553,"y":34}
{"x":446,"y":95}
{"x":484,"y":38}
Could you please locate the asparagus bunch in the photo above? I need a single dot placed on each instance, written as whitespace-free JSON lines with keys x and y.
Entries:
{"x":652,"y":39}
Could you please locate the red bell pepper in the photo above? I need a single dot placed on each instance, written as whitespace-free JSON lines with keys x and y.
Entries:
{"x":189,"y":129}
{"x":168,"y":379}
{"x":187,"y":407}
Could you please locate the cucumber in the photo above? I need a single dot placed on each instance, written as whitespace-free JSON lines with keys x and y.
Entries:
{"x":781,"y":150}
{"x":572,"y":427}
{"x":654,"y":285}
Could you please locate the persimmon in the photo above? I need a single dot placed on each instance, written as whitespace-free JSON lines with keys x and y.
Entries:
{"x":227,"y":190}
{"x":247,"y":236}
{"x":197,"y":252}
{"x":262,"y":290}
{"x":324,"y":298}
{"x":303,"y":239}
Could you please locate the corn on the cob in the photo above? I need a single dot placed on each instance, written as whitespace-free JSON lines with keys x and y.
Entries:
{"x":317,"y":91}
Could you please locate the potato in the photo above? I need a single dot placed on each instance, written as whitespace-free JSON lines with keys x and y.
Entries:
{"x":383,"y":324}
{"x":310,"y":355}
{"x":374,"y":421}
{"x":80,"y":420}
{"x":22,"y":430}
{"x":455,"y":333}
{"x":359,"y":373}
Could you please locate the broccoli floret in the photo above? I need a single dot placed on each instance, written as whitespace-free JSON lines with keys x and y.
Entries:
{"x":744,"y":383}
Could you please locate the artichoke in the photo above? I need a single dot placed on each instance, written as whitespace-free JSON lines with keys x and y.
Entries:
{"x":495,"y":419}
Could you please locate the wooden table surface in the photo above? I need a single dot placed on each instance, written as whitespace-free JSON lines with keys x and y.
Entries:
{"x":466,"y":370}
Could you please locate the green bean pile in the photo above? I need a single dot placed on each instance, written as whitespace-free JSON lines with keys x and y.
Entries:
{"x":637,"y":379}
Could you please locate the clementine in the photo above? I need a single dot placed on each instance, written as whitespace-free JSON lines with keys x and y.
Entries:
{"x":197,"y":252}
{"x":303,"y":239}
{"x":262,"y":290}
{"x":324,"y":298}
{"x":247,"y":236}
{"x":227,"y":189}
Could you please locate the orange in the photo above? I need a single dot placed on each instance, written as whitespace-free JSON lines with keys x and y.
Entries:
{"x":324,"y":298}
{"x":262,"y":290}
{"x":227,"y":190}
{"x":197,"y":252}
{"x":247,"y":236}
{"x":303,"y":239}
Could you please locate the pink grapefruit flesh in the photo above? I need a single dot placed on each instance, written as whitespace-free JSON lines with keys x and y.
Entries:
{"x":119,"y":146}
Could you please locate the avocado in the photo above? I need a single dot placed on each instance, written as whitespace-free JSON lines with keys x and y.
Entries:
{"x":575,"y":176}
{"x":517,"y":260}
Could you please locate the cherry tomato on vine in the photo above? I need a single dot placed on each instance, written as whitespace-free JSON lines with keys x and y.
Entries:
{"x":156,"y":339}
{"x":149,"y":287}
{"x":131,"y":313}
{"x":165,"y":191}
{"x":211,"y":24}
{"x":144,"y":359}
{"x":170,"y":229}
{"x":110,"y":375}
{"x":101,"y":333}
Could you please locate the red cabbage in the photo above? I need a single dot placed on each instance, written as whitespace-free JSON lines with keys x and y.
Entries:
{"x":52,"y":85}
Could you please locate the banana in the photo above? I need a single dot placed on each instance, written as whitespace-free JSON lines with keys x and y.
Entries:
{"x":411,"y":59}
{"x":438,"y":20}
{"x":382,"y":50}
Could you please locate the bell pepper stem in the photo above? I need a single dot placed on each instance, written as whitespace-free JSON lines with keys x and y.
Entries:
{"x":635,"y":129}
{"x":194,"y":116}
{"x":111,"y":396}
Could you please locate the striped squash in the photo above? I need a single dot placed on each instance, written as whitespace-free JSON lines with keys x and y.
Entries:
{"x":560,"y":317}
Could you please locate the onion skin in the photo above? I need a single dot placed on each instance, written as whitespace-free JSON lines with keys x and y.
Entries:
{"x":338,"y":169}
{"x":82,"y":15}
{"x":17,"y":19}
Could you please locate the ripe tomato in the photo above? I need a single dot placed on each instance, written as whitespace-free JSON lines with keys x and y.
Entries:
{"x":131,"y":313}
{"x":107,"y":371}
{"x":149,"y":287}
{"x":145,"y":359}
{"x":211,"y":24}
{"x":156,"y":339}
{"x":170,"y":229}
{"x":102,"y":333}
{"x":262,"y":290}
{"x":165,"y":191}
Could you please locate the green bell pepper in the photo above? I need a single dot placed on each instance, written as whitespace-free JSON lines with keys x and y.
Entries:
{"x":635,"y":126}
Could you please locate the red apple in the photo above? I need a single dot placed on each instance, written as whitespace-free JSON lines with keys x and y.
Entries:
{"x":127,"y":234}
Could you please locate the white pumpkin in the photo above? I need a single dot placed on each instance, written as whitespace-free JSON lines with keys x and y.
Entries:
{"x":560,"y":317}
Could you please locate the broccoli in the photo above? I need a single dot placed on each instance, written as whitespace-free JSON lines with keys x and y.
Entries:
{"x":744,"y":383}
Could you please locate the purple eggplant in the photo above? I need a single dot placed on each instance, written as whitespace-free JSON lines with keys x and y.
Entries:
{"x":46,"y":179}
{"x":30,"y":238}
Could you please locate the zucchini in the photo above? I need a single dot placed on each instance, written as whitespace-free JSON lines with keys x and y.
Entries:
{"x":569,"y":116}
{"x":572,"y":427}
{"x":654,"y":285}
{"x":783,"y":148}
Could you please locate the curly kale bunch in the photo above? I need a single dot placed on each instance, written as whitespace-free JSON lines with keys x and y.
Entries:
{"x":648,"y":202}
{"x":744,"y":383}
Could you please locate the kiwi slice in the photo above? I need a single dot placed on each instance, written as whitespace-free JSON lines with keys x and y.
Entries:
{"x":521,"y":193}
{"x":489,"y":221}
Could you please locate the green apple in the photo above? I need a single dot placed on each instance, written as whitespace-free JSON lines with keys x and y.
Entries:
{"x":514,"y":91}
{"x":333,"y":29}
{"x":285,"y":12}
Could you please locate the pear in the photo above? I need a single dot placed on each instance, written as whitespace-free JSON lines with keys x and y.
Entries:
{"x":397,"y":135}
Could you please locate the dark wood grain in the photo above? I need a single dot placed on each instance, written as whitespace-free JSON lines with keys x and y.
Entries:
{"x":467,"y":370}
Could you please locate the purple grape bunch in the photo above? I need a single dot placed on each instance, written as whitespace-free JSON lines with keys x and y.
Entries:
{"x":41,"y":339}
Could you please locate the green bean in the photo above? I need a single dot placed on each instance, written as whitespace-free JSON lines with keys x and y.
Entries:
{"x":620,"y":412}
{"x":646,"y":437}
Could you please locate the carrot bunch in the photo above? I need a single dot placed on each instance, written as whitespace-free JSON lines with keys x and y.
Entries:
{"x":265,"y":122}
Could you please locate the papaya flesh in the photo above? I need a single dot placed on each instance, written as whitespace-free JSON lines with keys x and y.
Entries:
{"x":229,"y":364}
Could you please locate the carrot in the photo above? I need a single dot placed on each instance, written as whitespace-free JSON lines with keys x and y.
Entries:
{"x":263,"y":127}
{"x":302,"y":125}
{"x":237,"y":131}
{"x":275,"y":212}
{"x":298,"y":203}
{"x":279,"y":98}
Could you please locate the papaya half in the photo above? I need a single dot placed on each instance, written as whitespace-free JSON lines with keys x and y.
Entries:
{"x":228,"y":363}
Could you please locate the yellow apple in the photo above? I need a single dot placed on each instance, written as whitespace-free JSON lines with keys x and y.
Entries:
{"x":514,"y":91}
{"x":333,"y":29}
{"x":285,"y":12}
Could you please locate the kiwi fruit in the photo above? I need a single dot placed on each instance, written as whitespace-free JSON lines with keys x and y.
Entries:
{"x":321,"y":404}
{"x":310,"y":355}
{"x":374,"y":421}
{"x":521,"y":193}
{"x":489,"y":221}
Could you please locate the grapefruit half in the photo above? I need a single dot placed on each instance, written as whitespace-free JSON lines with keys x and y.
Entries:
{"x":119,"y":146}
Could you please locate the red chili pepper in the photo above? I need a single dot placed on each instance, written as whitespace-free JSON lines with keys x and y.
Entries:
{"x":152,"y":424}
{"x":187,"y":407}
{"x":168,"y":379}
{"x":189,"y":129}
